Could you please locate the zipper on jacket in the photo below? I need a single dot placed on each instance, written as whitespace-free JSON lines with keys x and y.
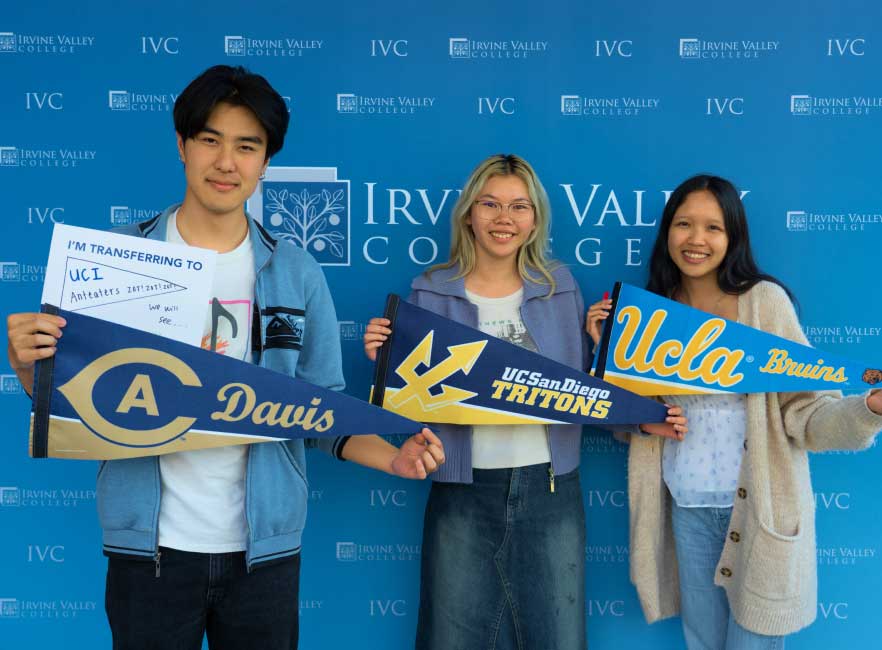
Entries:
{"x":156,"y":560}
{"x":550,"y":460}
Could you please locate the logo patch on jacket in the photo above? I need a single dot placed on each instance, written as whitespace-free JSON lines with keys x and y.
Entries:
{"x":285,"y":328}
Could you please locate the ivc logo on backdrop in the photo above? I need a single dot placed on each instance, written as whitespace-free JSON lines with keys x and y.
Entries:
{"x":349,"y":103}
{"x":45,"y":215}
{"x":383,"y":608}
{"x":12,"y":43}
{"x":496,"y":105}
{"x":159,"y":45}
{"x":22,"y":272}
{"x":389,"y":47}
{"x":44,"y":100}
{"x":820,"y":335}
{"x":606,"y":106}
{"x":351,"y":330}
{"x":354,"y":552}
{"x":123,"y":215}
{"x":124,"y":100}
{"x":14,"y":608}
{"x":307,"y":206}
{"x":10,"y":272}
{"x":606,"y":553}
{"x":269,"y":47}
{"x":465,"y":48}
{"x":613,"y":48}
{"x":26,"y":157}
{"x":694,"y":48}
{"x":813,"y":105}
{"x":845,"y":555}
{"x":10,"y":385}
{"x":842,"y":222}
{"x":846,"y":46}
{"x":13,"y":496}
{"x":602,"y":443}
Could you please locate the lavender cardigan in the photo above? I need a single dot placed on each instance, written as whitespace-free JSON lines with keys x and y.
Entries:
{"x":557,"y":326}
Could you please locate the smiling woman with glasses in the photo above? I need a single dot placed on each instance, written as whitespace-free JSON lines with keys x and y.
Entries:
{"x":503,"y":555}
{"x":488,"y":210}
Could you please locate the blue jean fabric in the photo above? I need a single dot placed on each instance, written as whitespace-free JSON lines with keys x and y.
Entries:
{"x":708,"y":623}
{"x":198,"y":594}
{"x":503,"y":563}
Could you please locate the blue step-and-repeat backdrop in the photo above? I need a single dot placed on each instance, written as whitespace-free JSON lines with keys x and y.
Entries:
{"x":392,"y":105}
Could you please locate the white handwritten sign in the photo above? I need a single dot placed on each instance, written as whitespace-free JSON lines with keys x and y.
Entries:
{"x":149,"y":285}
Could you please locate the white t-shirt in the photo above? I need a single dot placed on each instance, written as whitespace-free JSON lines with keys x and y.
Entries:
{"x":498,"y":445}
{"x":203,"y":491}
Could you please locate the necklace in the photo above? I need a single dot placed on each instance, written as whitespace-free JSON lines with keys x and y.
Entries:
{"x":684,"y":298}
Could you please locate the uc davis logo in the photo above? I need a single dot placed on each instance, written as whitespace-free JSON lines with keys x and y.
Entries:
{"x":79,"y":391}
{"x":309,"y":207}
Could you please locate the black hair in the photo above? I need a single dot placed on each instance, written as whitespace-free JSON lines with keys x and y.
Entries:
{"x":235,"y":86}
{"x":738,"y":271}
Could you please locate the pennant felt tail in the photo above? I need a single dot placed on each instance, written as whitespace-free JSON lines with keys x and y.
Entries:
{"x":600,"y":365}
{"x":383,"y":353}
{"x":43,"y":372}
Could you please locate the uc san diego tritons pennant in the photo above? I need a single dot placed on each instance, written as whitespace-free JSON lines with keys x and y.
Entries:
{"x":434,"y":369}
{"x":115,"y":392}
{"x":655,"y":346}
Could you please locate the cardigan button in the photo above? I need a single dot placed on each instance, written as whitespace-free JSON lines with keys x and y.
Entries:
{"x":727,"y":573}
{"x":742,"y":493}
{"x":734,"y":536}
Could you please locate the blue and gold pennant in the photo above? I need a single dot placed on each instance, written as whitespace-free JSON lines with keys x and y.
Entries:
{"x":655,"y":346}
{"x":115,"y":392}
{"x":434,"y":369}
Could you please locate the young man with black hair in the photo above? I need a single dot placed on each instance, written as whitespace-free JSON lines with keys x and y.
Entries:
{"x":208,"y":541}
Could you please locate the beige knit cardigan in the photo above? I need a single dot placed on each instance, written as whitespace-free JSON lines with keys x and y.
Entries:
{"x":768,"y":566}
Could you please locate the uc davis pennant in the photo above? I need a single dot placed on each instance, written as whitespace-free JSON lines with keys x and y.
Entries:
{"x":436,"y":370}
{"x":115,"y":392}
{"x":655,"y":346}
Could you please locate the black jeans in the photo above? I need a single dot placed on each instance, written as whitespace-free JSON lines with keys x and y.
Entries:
{"x":200,"y":593}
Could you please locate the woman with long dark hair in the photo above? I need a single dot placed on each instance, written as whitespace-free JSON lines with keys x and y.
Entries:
{"x":722,"y":522}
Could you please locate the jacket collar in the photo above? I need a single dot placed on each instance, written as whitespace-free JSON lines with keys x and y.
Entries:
{"x":445,"y":283}
{"x":262,"y":243}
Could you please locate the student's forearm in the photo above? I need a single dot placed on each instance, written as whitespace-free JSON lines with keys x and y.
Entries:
{"x":370,"y":451}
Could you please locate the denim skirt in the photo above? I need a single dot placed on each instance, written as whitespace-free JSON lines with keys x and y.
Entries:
{"x":503,"y":563}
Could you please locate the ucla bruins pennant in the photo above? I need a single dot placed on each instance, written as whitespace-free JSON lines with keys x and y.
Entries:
{"x":434,"y":369}
{"x":115,"y":392}
{"x":655,"y":346}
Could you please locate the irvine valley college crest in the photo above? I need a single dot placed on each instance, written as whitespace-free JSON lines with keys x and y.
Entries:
{"x":307,"y":206}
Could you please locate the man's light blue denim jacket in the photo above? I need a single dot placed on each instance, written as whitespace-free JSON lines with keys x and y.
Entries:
{"x":128,"y":491}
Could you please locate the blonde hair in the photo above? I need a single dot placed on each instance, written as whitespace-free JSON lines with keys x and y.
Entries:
{"x":532,"y":254}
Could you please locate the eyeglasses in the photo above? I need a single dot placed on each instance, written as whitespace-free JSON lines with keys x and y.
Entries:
{"x":490,"y":210}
